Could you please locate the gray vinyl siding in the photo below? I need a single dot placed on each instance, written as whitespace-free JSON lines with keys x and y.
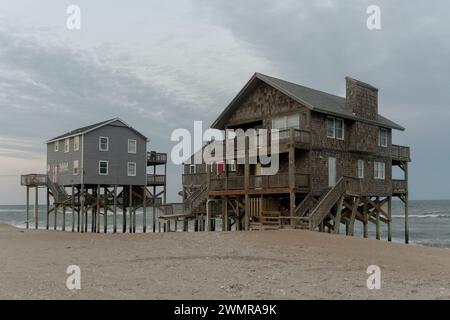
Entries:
{"x":117,"y":156}
{"x":65,"y":178}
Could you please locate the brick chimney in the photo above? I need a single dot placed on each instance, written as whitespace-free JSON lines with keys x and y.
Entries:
{"x":361,"y":99}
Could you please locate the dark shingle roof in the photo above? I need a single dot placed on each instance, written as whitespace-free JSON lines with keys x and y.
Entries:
{"x":316,"y":100}
{"x":86,"y":129}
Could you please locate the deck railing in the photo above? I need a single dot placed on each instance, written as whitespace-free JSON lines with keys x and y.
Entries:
{"x":299,"y":136}
{"x":280,"y":180}
{"x":399,"y":186}
{"x":195,"y":179}
{"x":155,"y":179}
{"x":401,"y":153}
{"x":155,"y":157}
{"x":34,"y":180}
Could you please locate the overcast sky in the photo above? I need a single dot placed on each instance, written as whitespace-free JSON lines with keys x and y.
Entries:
{"x":160,"y":65}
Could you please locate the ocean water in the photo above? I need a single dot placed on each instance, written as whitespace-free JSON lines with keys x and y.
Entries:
{"x":429,"y":221}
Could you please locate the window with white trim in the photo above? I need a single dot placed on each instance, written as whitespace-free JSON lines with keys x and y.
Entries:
{"x":360,"y":169}
{"x":66,"y":145}
{"x":56,"y":146}
{"x":383,"y":137}
{"x":103,"y":168}
{"x":76,"y":167}
{"x":131,"y":169}
{"x":233,"y":166}
{"x":379,"y":170}
{"x":103,"y":143}
{"x":76,"y":143}
{"x":335,"y":128}
{"x":339,"y":129}
{"x":132,"y":146}
{"x":192,"y":169}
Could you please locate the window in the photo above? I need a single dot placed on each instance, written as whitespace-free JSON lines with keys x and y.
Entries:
{"x":132,"y":169}
{"x":293,"y":121}
{"x":383,"y":137}
{"x":339,"y":129}
{"x":63,"y":167}
{"x":103,"y":168}
{"x":103,"y":144}
{"x":360,"y":169}
{"x":330,"y":128}
{"x":379,"y":170}
{"x":56,"y":146}
{"x":76,"y":143}
{"x":66,"y":145}
{"x":192,"y":169}
{"x":233,"y":166}
{"x":285,"y":122}
{"x":131,"y":146}
{"x":335,"y":128}
{"x":76,"y":167}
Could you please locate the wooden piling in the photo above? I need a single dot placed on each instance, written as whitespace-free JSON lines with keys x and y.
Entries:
{"x":105,"y":210}
{"x":144,"y":210}
{"x":55,"y":213}
{"x":366,"y":219}
{"x":389,"y":219}
{"x":73,"y":208}
{"x":36,"y":209}
{"x":28,"y":208}
{"x":47,"y":221}
{"x":377,"y":232}
{"x":115,"y":210}
{"x":130,"y":205}
{"x":64,"y":218}
{"x":337,"y":220}
{"x":353,"y":217}
{"x":82,"y":209}
{"x":97,"y":211}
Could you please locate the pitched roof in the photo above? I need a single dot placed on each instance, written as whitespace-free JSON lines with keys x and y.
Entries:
{"x":315,"y":100}
{"x":92,"y":127}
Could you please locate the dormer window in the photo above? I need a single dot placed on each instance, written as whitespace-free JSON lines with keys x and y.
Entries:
{"x":335,"y":128}
{"x":103,"y":144}
{"x":132,"y":146}
{"x":383,"y":137}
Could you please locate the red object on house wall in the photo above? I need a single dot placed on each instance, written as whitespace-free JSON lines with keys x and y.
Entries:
{"x":220,"y":168}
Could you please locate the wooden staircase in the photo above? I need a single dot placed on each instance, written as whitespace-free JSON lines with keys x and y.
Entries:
{"x":311,"y":213}
{"x":268,"y":220}
{"x":58,"y":192}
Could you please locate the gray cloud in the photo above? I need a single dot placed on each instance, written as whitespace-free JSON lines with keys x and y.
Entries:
{"x":195,"y":61}
{"x":317,"y":43}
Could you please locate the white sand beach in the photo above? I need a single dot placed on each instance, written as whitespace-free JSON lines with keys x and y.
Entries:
{"x":233,"y":265}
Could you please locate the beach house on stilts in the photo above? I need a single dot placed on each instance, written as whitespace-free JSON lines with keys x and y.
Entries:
{"x":96,"y":170}
{"x":336,"y":163}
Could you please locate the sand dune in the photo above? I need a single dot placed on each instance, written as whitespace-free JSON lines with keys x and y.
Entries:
{"x":235,"y":265}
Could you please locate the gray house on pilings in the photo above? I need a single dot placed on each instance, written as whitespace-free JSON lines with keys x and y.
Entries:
{"x":95,"y":170}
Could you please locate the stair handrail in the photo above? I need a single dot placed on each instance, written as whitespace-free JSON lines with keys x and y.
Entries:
{"x":338,"y":189}
{"x":301,"y":210}
{"x":190,"y":202}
